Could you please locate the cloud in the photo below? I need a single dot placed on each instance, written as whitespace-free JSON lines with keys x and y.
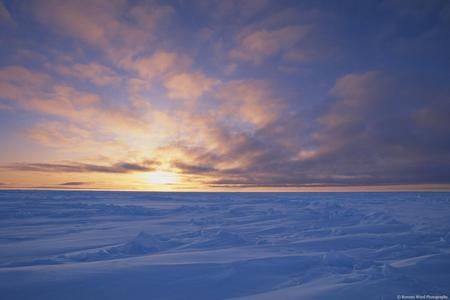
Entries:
{"x":90,"y":21}
{"x":149,"y":16}
{"x":356,"y":94}
{"x":252,"y":101}
{"x":84,"y":107}
{"x":117,"y":27}
{"x":149,"y":70}
{"x":370,"y":133}
{"x":192,"y":169}
{"x":75,"y":183}
{"x":232,"y":155}
{"x":366,"y":135}
{"x":134,"y":83}
{"x":36,"y":91}
{"x":4,"y":106}
{"x":73,"y":167}
{"x":57,"y":134}
{"x":17,"y":82}
{"x":261,"y":44}
{"x":73,"y":137}
{"x":91,"y":72}
{"x":435,"y":115}
{"x":157,"y":65}
{"x":188,"y":86}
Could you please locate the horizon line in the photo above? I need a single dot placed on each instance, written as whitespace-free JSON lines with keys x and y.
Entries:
{"x":369,"y":189}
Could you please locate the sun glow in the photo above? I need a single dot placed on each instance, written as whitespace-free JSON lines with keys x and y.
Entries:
{"x":162,"y":177}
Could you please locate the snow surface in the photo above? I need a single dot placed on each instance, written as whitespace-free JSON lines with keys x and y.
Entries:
{"x":124,"y":245}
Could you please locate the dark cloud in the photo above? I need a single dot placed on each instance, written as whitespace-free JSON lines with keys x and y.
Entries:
{"x":60,"y":187}
{"x":193,"y":169}
{"x":74,"y":167}
{"x":74,"y":183}
{"x":374,"y":130}
{"x":370,"y":132}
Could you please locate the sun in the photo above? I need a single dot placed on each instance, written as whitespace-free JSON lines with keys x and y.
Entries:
{"x":162,"y":177}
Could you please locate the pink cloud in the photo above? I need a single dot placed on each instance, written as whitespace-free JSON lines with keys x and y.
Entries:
{"x":258,"y":45}
{"x":188,"y":86}
{"x":251,"y":101}
{"x":114,"y":26}
{"x":356,"y":93}
{"x":160,"y":63}
{"x":17,"y":82}
{"x":86,"y":20}
{"x":91,"y":72}
{"x":58,"y":134}
{"x":37,"y":92}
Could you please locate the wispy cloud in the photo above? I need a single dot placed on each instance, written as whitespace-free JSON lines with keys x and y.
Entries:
{"x":91,"y":72}
{"x":104,"y":24}
{"x":262,"y":44}
{"x":73,"y":167}
{"x":188,"y":86}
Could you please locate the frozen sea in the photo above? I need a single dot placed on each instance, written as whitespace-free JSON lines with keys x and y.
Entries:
{"x":136,"y":245}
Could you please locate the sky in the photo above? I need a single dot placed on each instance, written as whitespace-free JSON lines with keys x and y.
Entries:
{"x":225,"y":95}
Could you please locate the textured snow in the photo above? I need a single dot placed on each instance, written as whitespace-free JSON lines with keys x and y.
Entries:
{"x":124,"y":245}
